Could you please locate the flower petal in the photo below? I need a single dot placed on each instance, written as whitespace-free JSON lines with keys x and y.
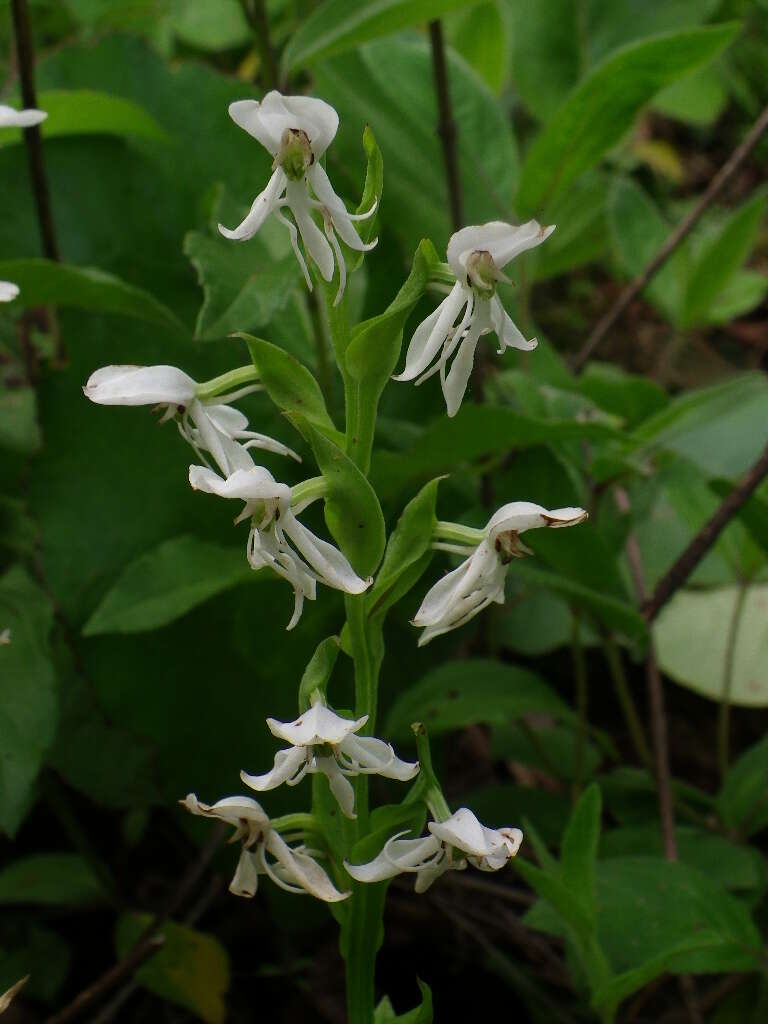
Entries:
{"x":503,"y":241}
{"x":431,"y":333}
{"x":317,"y":725}
{"x":246,"y":878}
{"x":464,"y":832}
{"x":341,"y":787}
{"x":287,"y":764}
{"x":375,"y":757}
{"x":455,"y":383}
{"x":328,"y":562}
{"x":509,"y":335}
{"x":315,"y":117}
{"x":262,"y":206}
{"x":323,"y":189}
{"x":315,"y":242}
{"x":256,"y":484}
{"x":303,"y":870}
{"x":140,"y":385}
{"x":10,"y":118}
{"x":232,"y":809}
{"x":526,"y":515}
{"x":398,"y":856}
{"x":8,"y":291}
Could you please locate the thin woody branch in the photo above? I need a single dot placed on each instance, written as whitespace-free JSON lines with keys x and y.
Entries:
{"x":684,"y":228}
{"x":705,"y":538}
{"x":446,"y":126}
{"x":32,"y":137}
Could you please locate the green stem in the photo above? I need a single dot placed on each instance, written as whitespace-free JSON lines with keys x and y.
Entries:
{"x":582,"y":705}
{"x":233,"y":380}
{"x":309,"y":490}
{"x":627,"y":704}
{"x":724,"y":716}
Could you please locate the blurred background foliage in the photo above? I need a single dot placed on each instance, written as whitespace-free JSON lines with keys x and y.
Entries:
{"x":144,"y":655}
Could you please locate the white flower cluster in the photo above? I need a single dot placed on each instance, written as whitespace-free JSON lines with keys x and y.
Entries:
{"x":297,"y":131}
{"x":10,"y":118}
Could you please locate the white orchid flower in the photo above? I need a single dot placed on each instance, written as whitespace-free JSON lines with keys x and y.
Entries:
{"x":324,"y":742}
{"x":297,"y":130}
{"x":479,"y":580}
{"x":10,"y":118}
{"x":273,"y":525}
{"x":210,"y":425}
{"x":449,"y":846}
{"x":472,"y":308}
{"x":292,"y":869}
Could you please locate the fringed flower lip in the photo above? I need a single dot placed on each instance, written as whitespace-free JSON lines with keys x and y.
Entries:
{"x":208,"y":425}
{"x":479,"y":580}
{"x":324,"y":742}
{"x":297,"y":130}
{"x":277,"y":539}
{"x":477,"y":256}
{"x":450,"y":845}
{"x":264,"y":851}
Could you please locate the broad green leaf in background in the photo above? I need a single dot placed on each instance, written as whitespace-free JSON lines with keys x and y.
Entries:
{"x":38,"y":952}
{"x":28,"y":699}
{"x":697,"y":99}
{"x":461,"y":693}
{"x":551,"y":749}
{"x":475,"y":431}
{"x":210,"y":26}
{"x":43,"y":282}
{"x":743,"y":798}
{"x":352,"y":510}
{"x":631,"y":396}
{"x":191,"y":969}
{"x":19,"y":430}
{"x":638,"y":231}
{"x":745,"y":290}
{"x":720,"y":428}
{"x":289,"y":384}
{"x":581,"y":236}
{"x":165,"y":583}
{"x":480,"y":34}
{"x":578,"y":851}
{"x":86,"y":112}
{"x":340,"y":25}
{"x":723,"y":255}
{"x":691,"y":635}
{"x":64,"y":879}
{"x":244,"y":284}
{"x":384,"y":84}
{"x":602,"y":108}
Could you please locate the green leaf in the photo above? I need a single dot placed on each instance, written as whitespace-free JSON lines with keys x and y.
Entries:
{"x":190,"y":970}
{"x":556,"y":893}
{"x":19,"y":429}
{"x":165,"y":583}
{"x":471,"y":691}
{"x":289,"y":384}
{"x":721,"y":258}
{"x":42,"y":282}
{"x":28,"y":698}
{"x":210,"y":27}
{"x":721,"y":429}
{"x":373,"y":188}
{"x":613,"y":611}
{"x":546,"y":58}
{"x":352,"y":510}
{"x":697,"y":99}
{"x":340,"y":25}
{"x":480,"y":35}
{"x":318,"y":672}
{"x":629,"y":395}
{"x":602,"y":108}
{"x":638,"y":231}
{"x":85,"y":112}
{"x":244,"y":284}
{"x":475,"y":431}
{"x":742,"y":802}
{"x":423,"y":1013}
{"x":745,"y":290}
{"x":39,"y":953}
{"x":372,"y":354}
{"x":692,"y":636}
{"x":52,"y":879}
{"x":408,"y":543}
{"x":581,"y":236}
{"x":578,"y":852}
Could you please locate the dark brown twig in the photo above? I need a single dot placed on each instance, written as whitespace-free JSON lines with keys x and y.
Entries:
{"x":683,"y":229}
{"x":705,"y":538}
{"x":149,"y":941}
{"x":32,"y":138}
{"x":446,"y":126}
{"x":256,"y":13}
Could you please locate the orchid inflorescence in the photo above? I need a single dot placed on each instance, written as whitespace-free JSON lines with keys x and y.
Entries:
{"x":323,"y":743}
